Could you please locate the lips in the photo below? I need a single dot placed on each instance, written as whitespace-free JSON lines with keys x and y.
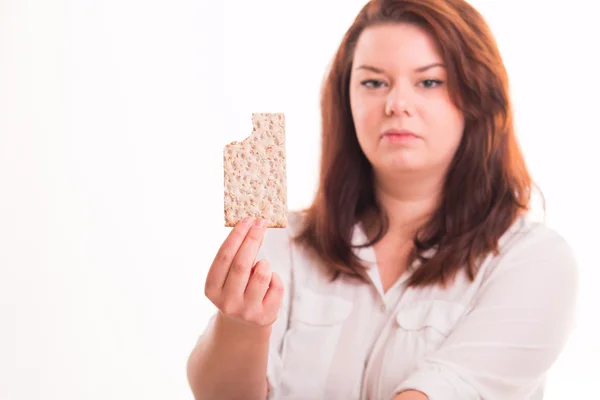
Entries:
{"x":399,"y":134}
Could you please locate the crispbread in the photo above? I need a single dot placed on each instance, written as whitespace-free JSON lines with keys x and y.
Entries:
{"x":255,"y":173}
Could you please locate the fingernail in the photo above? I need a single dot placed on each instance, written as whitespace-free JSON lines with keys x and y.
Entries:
{"x":246,"y":221}
{"x":259,"y":223}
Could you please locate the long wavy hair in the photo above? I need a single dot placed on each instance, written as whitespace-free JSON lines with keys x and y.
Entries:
{"x":487,"y":186}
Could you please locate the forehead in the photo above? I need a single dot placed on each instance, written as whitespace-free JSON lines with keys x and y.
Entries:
{"x":396,"y":45}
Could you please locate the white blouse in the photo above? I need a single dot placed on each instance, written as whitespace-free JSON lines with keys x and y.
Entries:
{"x":494,"y":338}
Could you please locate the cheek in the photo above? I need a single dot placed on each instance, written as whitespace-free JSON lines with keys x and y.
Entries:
{"x":363,"y":124}
{"x":457,"y":126}
{"x":448,"y":124}
{"x":365,"y":114}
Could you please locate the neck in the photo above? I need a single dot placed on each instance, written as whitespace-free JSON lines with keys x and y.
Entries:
{"x":408,"y":201}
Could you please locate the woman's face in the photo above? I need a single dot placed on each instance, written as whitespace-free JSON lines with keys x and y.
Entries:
{"x":398,"y":84}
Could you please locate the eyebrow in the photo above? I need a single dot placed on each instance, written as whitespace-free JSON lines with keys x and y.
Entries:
{"x":420,"y":69}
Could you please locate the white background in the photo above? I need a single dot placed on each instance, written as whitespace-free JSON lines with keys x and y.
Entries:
{"x":113,"y":115}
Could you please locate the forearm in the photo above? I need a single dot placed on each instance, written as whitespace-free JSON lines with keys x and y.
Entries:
{"x":411,"y":395}
{"x":230,"y":364}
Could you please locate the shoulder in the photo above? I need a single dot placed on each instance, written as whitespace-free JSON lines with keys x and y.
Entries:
{"x":533,"y":249}
{"x":536,"y":240}
{"x":278,"y":242}
{"x":274,"y":238}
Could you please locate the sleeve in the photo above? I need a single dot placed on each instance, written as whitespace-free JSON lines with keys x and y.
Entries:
{"x":517,"y":328}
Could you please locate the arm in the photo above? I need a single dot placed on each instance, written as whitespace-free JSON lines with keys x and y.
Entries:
{"x":230,"y":363}
{"x":411,"y":395}
{"x":515,"y":331}
{"x":230,"y":360}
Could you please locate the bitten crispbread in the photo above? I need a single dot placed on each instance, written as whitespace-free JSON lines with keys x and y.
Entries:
{"x":255,"y":173}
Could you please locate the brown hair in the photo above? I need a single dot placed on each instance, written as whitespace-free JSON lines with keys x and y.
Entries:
{"x":487,"y":185}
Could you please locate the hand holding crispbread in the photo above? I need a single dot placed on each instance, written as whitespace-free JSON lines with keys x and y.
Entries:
{"x":247,"y":293}
{"x":255,"y":173}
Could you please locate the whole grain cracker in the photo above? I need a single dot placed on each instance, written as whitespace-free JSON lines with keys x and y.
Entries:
{"x":255,"y":173}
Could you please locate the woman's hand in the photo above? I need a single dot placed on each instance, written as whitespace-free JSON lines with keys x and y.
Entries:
{"x":411,"y":395}
{"x":246,"y":293}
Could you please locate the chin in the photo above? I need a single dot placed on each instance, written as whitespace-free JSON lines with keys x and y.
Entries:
{"x":402,"y":165}
{"x":399,"y":169}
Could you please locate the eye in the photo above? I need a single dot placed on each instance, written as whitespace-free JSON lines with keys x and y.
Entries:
{"x":372,"y":83}
{"x":431,"y":83}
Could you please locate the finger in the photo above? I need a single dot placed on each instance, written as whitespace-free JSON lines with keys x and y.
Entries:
{"x":239,"y":272}
{"x":258,"y":283}
{"x":274,"y":295}
{"x":217,"y":272}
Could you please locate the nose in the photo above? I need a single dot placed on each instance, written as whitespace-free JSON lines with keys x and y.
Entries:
{"x":399,"y":101}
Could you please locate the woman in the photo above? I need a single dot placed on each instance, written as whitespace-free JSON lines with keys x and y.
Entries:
{"x":416,"y":273}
